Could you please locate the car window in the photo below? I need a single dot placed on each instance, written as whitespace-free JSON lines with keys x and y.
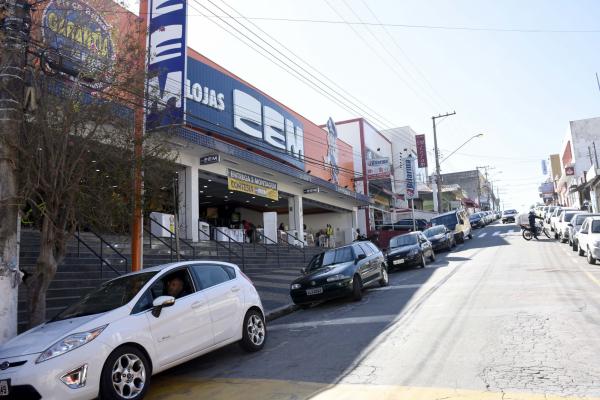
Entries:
{"x":358,"y":250}
{"x":403,"y":240}
{"x":109,"y":296}
{"x":366,"y":249}
{"x":210,"y":275}
{"x":176,"y":283}
{"x":596,"y":226}
{"x":584,"y":226}
{"x":569,"y":216}
{"x":373,"y":247}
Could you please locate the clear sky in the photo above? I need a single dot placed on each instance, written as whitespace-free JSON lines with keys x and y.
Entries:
{"x":520,"y":89}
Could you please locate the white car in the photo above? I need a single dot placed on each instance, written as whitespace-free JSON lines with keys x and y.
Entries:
{"x":589,"y":239}
{"x":556,"y":216}
{"x":114,"y":339}
{"x":562,"y":226}
{"x":575,"y":226}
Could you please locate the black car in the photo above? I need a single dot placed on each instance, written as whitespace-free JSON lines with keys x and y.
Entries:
{"x":409,"y":250}
{"x":440,"y":237}
{"x":508,"y":216}
{"x":476,"y":220}
{"x":340,"y":272}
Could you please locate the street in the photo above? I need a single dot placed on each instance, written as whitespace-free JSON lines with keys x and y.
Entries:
{"x":497,"y":318}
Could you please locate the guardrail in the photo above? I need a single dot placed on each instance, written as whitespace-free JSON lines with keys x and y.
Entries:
{"x":171,"y":237}
{"x":101,"y":258}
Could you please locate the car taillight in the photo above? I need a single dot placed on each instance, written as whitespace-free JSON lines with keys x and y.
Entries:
{"x":248,"y":279}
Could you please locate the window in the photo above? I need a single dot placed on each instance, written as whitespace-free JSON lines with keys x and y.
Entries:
{"x":338,"y":256}
{"x":176,"y":283}
{"x":372,"y":246}
{"x":366,"y":249}
{"x":210,"y":275}
{"x":596,"y":226}
{"x":358,"y":251}
{"x":584,"y":227}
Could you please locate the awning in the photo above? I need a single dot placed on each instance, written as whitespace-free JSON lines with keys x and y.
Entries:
{"x":594,"y":182}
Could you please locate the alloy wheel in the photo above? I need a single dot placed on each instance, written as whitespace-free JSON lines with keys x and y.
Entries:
{"x":128,"y":376}
{"x":256,"y":330}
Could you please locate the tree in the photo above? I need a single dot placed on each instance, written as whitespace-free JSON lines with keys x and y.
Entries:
{"x":76,"y":152}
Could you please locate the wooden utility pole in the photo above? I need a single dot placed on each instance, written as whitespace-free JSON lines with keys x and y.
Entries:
{"x":15,"y":23}
{"x":438,"y":176}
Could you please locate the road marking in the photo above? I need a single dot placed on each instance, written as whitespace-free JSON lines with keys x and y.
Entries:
{"x":497,"y":233}
{"x":179,"y":388}
{"x":483,"y":234}
{"x":332,"y":322}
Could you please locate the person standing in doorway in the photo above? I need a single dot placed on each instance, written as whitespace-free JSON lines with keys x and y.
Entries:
{"x":330,"y":238}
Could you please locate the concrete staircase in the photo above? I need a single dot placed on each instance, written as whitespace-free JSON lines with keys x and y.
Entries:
{"x":82,"y":270}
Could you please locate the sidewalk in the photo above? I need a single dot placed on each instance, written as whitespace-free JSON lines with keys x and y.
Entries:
{"x":273,"y":286}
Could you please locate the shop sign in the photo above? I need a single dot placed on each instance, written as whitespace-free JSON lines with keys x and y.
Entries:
{"x":547,"y":188}
{"x":312,"y":190}
{"x":246,"y":183}
{"x":219,"y":103}
{"x":210,"y":159}
{"x":421,"y":151}
{"x":378,"y":168}
{"x":82,"y":37}
{"x":409,"y":170}
{"x":569,"y":171}
{"x":332,"y":151}
{"x":167,"y":55}
{"x":544,"y":168}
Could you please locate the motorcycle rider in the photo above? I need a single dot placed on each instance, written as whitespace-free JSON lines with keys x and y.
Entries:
{"x":532,"y":227}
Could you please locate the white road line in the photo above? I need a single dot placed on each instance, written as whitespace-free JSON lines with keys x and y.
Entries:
{"x":394,"y":287}
{"x":332,"y":322}
{"x":483,"y":234}
{"x":497,"y":233}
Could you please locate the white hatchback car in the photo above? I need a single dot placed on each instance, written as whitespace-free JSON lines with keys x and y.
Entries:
{"x":114,"y":339}
{"x":589,"y":239}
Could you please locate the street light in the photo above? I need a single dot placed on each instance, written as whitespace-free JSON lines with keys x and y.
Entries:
{"x":460,"y":147}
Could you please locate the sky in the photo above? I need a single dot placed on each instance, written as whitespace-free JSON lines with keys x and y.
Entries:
{"x":519,"y":88}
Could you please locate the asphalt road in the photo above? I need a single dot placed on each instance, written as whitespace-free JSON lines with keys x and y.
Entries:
{"x":498,"y":318}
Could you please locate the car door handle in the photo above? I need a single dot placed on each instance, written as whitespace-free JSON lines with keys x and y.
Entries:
{"x":235,"y":289}
{"x":197,"y":304}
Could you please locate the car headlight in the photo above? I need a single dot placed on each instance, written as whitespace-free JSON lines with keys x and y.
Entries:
{"x":413,"y":252}
{"x":296,"y":286}
{"x":69,"y":343}
{"x":338,"y":277}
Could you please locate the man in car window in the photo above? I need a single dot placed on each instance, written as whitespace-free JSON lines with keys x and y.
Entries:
{"x":175,"y":287}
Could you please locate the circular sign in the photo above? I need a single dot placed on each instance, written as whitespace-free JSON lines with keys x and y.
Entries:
{"x":82,"y":38}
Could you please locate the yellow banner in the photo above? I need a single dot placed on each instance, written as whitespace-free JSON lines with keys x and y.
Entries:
{"x":242,"y":182}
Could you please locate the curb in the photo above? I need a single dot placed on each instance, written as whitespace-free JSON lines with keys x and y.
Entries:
{"x":280,"y":312}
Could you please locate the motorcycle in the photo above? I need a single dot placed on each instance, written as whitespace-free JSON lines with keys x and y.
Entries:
{"x":527,"y":232}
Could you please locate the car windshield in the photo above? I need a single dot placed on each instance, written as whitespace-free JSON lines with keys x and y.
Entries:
{"x":449,"y":220}
{"x":475,"y":216}
{"x":510,"y":212}
{"x":331,"y":257}
{"x":111,"y":295}
{"x":436,"y":230}
{"x":569,"y":216}
{"x":403,"y":240}
{"x":596,"y":226}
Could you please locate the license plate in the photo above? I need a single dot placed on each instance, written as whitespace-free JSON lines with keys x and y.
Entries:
{"x":310,"y":292}
{"x":399,"y":261}
{"x":4,"y":387}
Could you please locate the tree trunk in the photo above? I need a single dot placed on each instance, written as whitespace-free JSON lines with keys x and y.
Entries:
{"x":45,"y":269}
{"x":10,"y":276}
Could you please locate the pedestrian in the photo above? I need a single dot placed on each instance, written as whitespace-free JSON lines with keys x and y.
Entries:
{"x":281,"y":227}
{"x":330,"y":238}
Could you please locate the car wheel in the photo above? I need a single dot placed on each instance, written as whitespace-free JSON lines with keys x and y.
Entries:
{"x":356,"y":288}
{"x":125,"y":375}
{"x":555,"y":235}
{"x":581,"y":252}
{"x":470,"y":235}
{"x":453,"y":243}
{"x":590,"y":257}
{"x":385,"y":279}
{"x":574,"y":246}
{"x":432,"y":258}
{"x":423,"y":262}
{"x":254,"y":331}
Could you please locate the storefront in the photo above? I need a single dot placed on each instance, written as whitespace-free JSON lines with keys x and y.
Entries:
{"x":247,"y":157}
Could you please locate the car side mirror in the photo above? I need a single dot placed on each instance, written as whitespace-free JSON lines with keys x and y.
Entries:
{"x":160,"y":302}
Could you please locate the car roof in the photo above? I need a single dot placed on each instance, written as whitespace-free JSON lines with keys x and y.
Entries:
{"x":173,"y":265}
{"x":594,"y":218}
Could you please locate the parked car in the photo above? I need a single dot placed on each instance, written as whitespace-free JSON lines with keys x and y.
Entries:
{"x":476,"y":220}
{"x":574,"y":226}
{"x":508,"y":216}
{"x":409,"y":250}
{"x":548,"y":214}
{"x":340,"y":272}
{"x":589,"y":239}
{"x":456,"y":221}
{"x":440,"y":237}
{"x":115,"y":338}
{"x":556,"y":216}
{"x":562,"y":226}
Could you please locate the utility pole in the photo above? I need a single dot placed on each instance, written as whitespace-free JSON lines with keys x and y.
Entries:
{"x":438,"y":176}
{"x":486,"y":168}
{"x":15,"y":23}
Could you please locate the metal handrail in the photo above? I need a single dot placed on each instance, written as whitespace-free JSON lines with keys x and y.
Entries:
{"x":170,"y":246}
{"x":104,"y":241}
{"x":230,"y":239}
{"x":290,"y":245}
{"x":266,"y":248}
{"x":231,"y":252}
{"x":102,"y":259}
{"x":173,"y":237}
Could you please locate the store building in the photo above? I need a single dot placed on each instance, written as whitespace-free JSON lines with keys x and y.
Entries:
{"x":246,"y":156}
{"x":477,"y":189}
